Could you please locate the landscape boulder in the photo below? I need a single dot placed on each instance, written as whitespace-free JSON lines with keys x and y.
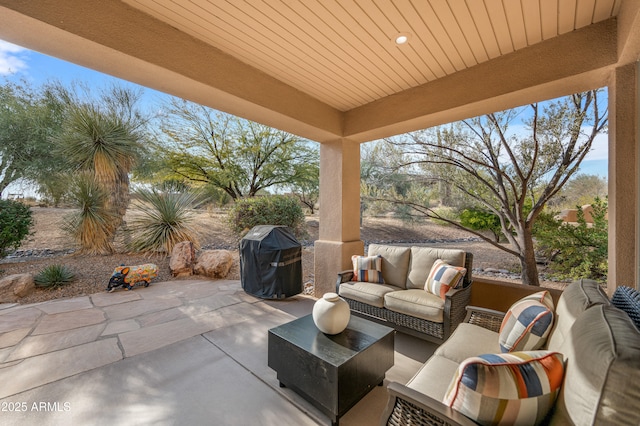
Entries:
{"x":182,"y":259}
{"x":214,"y":263}
{"x":14,"y":287}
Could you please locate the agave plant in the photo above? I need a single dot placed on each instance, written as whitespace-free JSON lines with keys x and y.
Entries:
{"x":93,"y":225}
{"x":54,"y":276}
{"x":165,"y":221}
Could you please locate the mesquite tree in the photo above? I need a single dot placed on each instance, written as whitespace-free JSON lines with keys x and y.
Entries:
{"x":240,"y":157}
{"x":510,"y":174}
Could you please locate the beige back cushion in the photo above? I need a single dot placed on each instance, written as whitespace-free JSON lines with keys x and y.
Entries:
{"x":395,"y":263}
{"x":602,"y":373}
{"x":422,"y":259}
{"x":575,"y":299}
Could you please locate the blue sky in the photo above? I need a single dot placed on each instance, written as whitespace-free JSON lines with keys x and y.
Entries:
{"x":19,"y":63}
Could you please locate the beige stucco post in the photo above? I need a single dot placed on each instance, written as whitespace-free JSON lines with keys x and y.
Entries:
{"x":624,"y":136}
{"x":339,"y":236}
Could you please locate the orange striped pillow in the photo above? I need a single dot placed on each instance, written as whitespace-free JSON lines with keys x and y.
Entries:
{"x":367,"y":269}
{"x":517,"y":388}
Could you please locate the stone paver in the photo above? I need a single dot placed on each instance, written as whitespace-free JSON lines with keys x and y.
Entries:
{"x":123,"y":326}
{"x":191,"y":289}
{"x":7,"y":305}
{"x":69,"y":320}
{"x":51,"y":342}
{"x":4,"y":353}
{"x":16,"y":319}
{"x":47,"y":368}
{"x":14,"y":337}
{"x":57,"y":307}
{"x":208,"y":304}
{"x":149,"y":338}
{"x":108,"y":299}
{"x":7,"y":364}
{"x":138,"y":307}
{"x":161,"y":317}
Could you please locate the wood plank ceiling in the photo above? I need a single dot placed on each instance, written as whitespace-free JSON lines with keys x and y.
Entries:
{"x":343,"y":52}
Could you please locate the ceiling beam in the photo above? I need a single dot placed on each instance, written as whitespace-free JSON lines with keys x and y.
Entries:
{"x":629,"y":32}
{"x":560,"y":66}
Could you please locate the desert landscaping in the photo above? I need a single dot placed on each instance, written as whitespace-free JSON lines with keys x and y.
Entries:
{"x":48,"y":245}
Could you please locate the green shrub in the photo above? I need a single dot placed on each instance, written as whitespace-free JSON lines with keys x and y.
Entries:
{"x":268,"y":210}
{"x":165,"y":221}
{"x":54,"y":276}
{"x":481,"y":220}
{"x":15,"y":221}
{"x":576,"y":250}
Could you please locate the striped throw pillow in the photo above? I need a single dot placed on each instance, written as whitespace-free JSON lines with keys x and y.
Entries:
{"x":444,"y":277}
{"x":367,"y":269}
{"x":527,"y":323}
{"x":517,"y":388}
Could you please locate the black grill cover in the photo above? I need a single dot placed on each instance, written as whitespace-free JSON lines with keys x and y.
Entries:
{"x":271,"y":262}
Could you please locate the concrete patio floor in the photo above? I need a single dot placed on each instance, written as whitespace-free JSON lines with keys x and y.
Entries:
{"x":179,"y":352}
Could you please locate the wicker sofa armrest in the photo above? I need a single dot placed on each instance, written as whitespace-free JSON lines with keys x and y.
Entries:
{"x":456,"y":300}
{"x":407,"y":406}
{"x":486,"y":318}
{"x":343,"y":277}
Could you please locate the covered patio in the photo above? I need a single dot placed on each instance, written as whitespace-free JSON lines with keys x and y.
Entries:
{"x":334,"y":73}
{"x":181,"y":352}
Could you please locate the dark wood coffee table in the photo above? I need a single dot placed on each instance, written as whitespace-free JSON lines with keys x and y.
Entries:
{"x":331,"y":372}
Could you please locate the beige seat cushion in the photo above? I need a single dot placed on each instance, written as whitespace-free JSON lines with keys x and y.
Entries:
{"x":602,"y":374}
{"x":395,"y":263}
{"x":417,"y":303}
{"x":434,"y":377}
{"x":422,"y":259}
{"x":369,"y":293}
{"x":469,"y":340}
{"x":575,"y":299}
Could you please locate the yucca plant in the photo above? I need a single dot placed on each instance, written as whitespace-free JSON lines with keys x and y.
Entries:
{"x":54,"y":276}
{"x":166,"y":220}
{"x":105,"y":143}
{"x":93,"y":225}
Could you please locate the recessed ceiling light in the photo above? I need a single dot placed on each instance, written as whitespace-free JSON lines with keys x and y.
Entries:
{"x":402,"y":38}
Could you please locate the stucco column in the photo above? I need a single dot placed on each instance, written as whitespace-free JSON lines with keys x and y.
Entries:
{"x":339,"y":236}
{"x":624,"y":261}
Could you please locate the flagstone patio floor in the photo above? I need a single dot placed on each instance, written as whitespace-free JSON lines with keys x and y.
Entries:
{"x":178,"y":352}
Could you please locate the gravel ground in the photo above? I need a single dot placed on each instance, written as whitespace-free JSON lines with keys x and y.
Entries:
{"x":48,"y":245}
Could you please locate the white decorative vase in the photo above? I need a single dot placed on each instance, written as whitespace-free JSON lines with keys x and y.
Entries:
{"x":331,"y":314}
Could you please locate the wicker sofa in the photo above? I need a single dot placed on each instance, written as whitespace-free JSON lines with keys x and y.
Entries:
{"x":601,"y":350}
{"x":401,"y":301}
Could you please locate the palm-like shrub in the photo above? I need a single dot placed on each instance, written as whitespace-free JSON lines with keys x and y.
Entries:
{"x":103,"y":138}
{"x":54,"y":276}
{"x":93,"y":225}
{"x":165,"y":221}
{"x":105,"y":144}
